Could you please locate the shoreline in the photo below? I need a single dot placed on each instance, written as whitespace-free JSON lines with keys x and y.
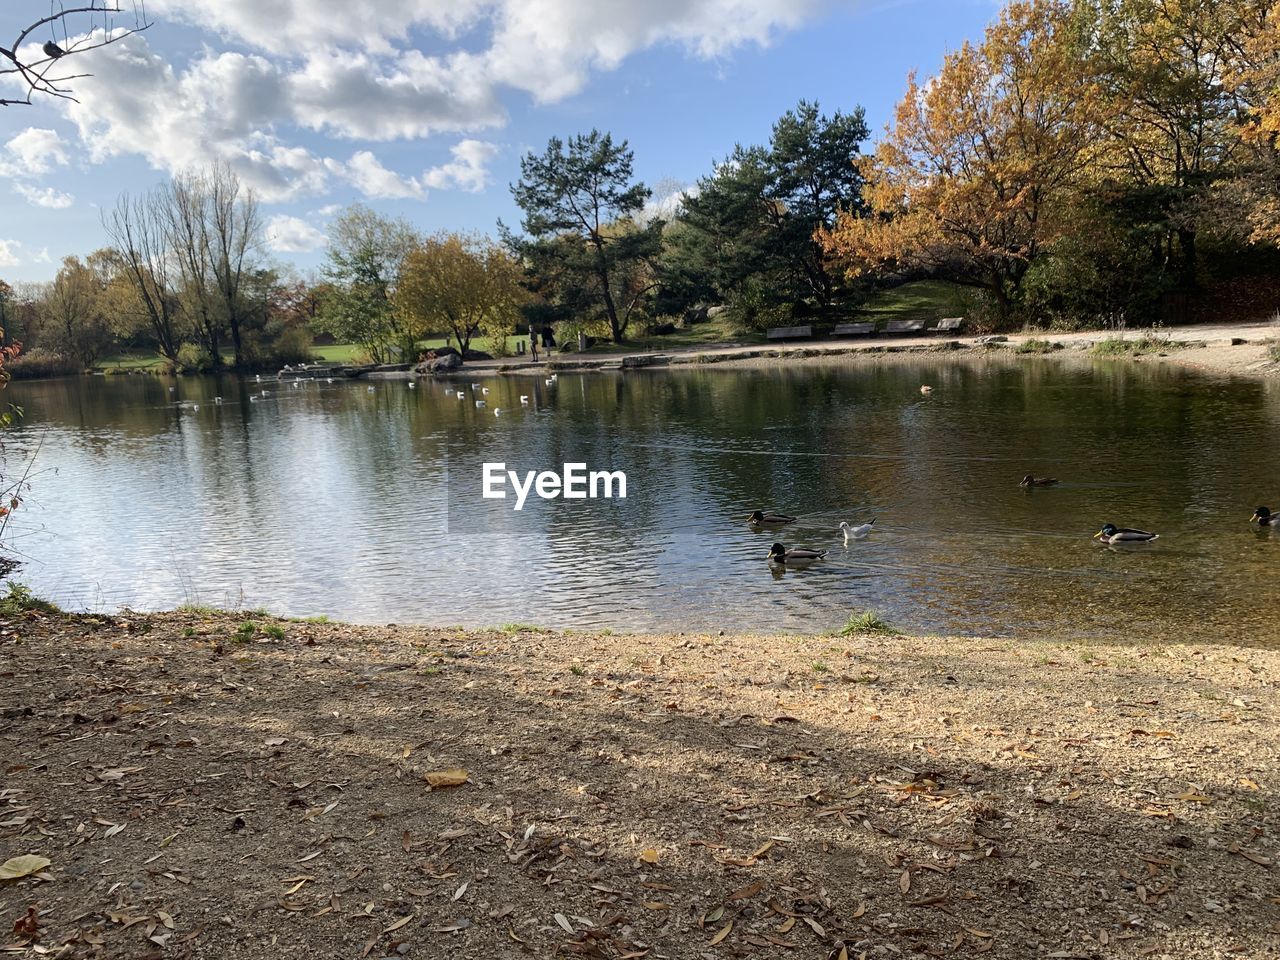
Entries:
{"x":266,"y":791}
{"x":1241,"y":350}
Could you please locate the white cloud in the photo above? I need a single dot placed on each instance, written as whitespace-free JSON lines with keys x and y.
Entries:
{"x":9,"y":253}
{"x":45,"y":196}
{"x":468,"y":170}
{"x":287,"y":234}
{"x":42,"y":256}
{"x":32,"y":153}
{"x":373,"y":70}
{"x":374,"y":180}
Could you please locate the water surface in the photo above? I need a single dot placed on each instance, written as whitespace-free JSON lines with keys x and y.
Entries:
{"x":363,"y":504}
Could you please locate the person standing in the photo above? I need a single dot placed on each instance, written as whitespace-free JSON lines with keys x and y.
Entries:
{"x":533,"y":344}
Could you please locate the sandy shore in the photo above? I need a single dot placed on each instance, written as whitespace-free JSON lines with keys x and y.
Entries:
{"x":207,"y":789}
{"x":1238,"y":350}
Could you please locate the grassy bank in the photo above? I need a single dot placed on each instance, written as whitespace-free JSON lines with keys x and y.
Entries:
{"x":237,"y":785}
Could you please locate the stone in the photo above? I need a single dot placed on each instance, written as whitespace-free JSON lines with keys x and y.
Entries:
{"x":443,"y":364}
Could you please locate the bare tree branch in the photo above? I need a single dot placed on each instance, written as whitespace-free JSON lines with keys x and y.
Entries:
{"x":80,"y":33}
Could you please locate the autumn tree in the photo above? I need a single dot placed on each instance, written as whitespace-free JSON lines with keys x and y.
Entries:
{"x":460,"y":284}
{"x":1255,"y":82}
{"x":964,"y":185}
{"x":581,"y":210}
{"x":71,"y":312}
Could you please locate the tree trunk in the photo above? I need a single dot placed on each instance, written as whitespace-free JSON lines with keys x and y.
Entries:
{"x":235,"y":337}
{"x":1187,"y":243}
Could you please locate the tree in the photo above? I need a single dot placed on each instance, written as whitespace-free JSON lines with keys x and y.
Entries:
{"x":185,"y":205}
{"x":74,"y":325}
{"x":139,"y":231}
{"x":365,"y":253}
{"x":756,"y":217}
{"x":1170,"y":113}
{"x":1255,"y":82}
{"x":460,"y":284}
{"x":39,"y":69}
{"x":965,"y":184}
{"x":233,"y":235}
{"x":580,"y":209}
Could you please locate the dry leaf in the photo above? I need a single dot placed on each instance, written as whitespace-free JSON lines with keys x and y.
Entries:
{"x":23,"y":866}
{"x":564,"y":922}
{"x":724,"y":932}
{"x":745,"y":893}
{"x":398,"y":924}
{"x":447,"y":778}
{"x":904,"y":881}
{"x":650,"y":855}
{"x":862,"y":908}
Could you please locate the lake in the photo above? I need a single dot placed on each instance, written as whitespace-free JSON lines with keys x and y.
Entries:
{"x":361,"y":501}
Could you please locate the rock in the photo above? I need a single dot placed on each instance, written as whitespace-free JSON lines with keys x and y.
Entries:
{"x":434,"y":365}
{"x":713,"y":312}
{"x":998,"y":338}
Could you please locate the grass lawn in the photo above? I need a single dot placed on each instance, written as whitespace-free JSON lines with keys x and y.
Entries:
{"x":712,"y":333}
{"x":920,"y":300}
{"x":130,"y":361}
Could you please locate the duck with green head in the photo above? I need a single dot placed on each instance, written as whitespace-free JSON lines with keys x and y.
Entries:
{"x":767,"y":518}
{"x":795,"y":556}
{"x":1110,"y":533}
{"x":1265,"y":518}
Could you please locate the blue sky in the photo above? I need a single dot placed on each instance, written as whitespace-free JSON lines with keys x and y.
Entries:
{"x":422,"y":108}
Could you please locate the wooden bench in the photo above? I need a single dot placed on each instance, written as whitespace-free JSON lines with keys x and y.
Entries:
{"x":852,"y":329}
{"x":949,"y":325}
{"x":904,"y":326}
{"x":789,"y":333}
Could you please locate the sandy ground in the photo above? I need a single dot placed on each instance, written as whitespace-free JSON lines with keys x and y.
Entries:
{"x":207,"y":789}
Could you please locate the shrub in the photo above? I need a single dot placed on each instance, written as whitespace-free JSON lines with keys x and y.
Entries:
{"x":1037,"y":346}
{"x":193,"y":358}
{"x":20,"y":599}
{"x":39,"y":363}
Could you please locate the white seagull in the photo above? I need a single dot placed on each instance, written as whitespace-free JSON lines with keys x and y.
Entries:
{"x":856,"y":533}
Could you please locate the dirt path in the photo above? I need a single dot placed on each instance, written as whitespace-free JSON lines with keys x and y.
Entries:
{"x":208,"y":790}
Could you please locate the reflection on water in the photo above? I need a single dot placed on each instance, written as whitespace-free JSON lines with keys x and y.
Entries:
{"x":364,"y":504}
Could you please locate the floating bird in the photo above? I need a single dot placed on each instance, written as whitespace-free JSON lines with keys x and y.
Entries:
{"x":1264,"y":517}
{"x":195,"y":406}
{"x":461,"y":395}
{"x":1030,"y":481}
{"x":550,"y":381}
{"x":858,"y":532}
{"x":258,"y":377}
{"x":797,"y":555}
{"x":926,"y":390}
{"x":253,"y":399}
{"x":497,"y":411}
{"x":171,"y":389}
{"x":217,"y":400}
{"x":265,"y":394}
{"x":485,"y":391}
{"x":767,"y":518}
{"x":328,"y":379}
{"x":1113,"y":534}
{"x":475,"y":386}
{"x":480,"y":404}
{"x":412,"y":384}
{"x":370,"y":389}
{"x":52,"y":50}
{"x":524,"y":400}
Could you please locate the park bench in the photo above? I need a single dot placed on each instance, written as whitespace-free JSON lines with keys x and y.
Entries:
{"x":790,"y":333}
{"x":853,"y":329}
{"x":904,"y":326}
{"x":949,"y":325}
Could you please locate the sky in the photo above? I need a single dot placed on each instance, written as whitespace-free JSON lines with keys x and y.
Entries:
{"x":423,"y":108}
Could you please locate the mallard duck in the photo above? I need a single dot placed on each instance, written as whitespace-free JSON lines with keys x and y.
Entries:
{"x":780,"y":554}
{"x":1264,"y":517}
{"x":768,"y":518}
{"x":1030,"y":481}
{"x":858,"y":532}
{"x":1113,"y":534}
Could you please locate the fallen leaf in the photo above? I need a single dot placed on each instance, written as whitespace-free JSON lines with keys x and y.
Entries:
{"x":398,"y":924}
{"x":564,"y":922}
{"x":745,"y":893}
{"x":447,"y":778}
{"x":23,"y":866}
{"x":724,"y":932}
{"x":904,"y":881}
{"x":650,"y":855}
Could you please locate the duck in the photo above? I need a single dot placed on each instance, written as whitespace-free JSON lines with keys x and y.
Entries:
{"x":768,"y":518}
{"x":1033,"y":481}
{"x":858,"y":532}
{"x":1110,"y":533}
{"x":926,"y":390}
{"x":524,"y":400}
{"x":485,"y":391}
{"x":497,"y":411}
{"x":412,"y":385}
{"x":1265,"y":518}
{"x":461,"y":395}
{"x":480,"y":404}
{"x":780,"y":554}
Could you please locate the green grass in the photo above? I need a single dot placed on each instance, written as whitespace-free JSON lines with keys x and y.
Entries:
{"x":715,"y":331}
{"x":918,"y":300}
{"x":867,"y":622}
{"x":20,"y":599}
{"x":131,"y":361}
{"x":1037,"y":346}
{"x":273,"y":631}
{"x":522,"y":628}
{"x":320,"y":619}
{"x":1145,"y":344}
{"x":199,"y":609}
